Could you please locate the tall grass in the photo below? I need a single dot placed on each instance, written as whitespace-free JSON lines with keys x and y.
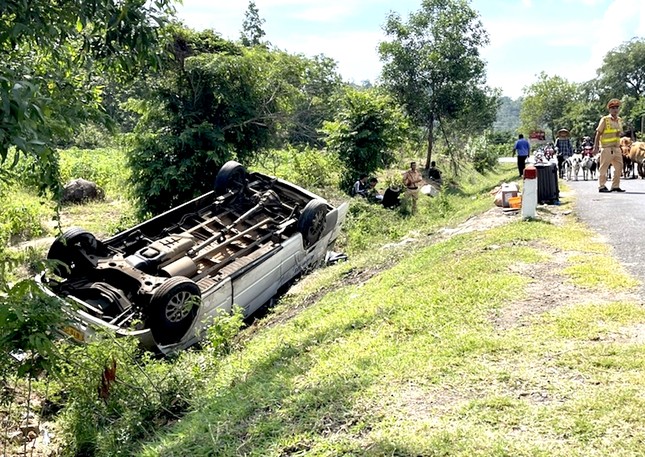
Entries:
{"x":25,"y":215}
{"x":107,"y":167}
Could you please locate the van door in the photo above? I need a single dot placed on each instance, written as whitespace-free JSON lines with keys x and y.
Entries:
{"x":254,"y":287}
{"x":216,"y":300}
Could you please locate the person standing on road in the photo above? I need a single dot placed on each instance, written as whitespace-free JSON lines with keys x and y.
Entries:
{"x":412,"y":180}
{"x":563,"y":144}
{"x":608,"y":138}
{"x":522,"y":148}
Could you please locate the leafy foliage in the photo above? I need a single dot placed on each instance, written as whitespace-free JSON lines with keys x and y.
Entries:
{"x":366,"y":129}
{"x":432,"y":64}
{"x":308,"y":167}
{"x":623,"y":70}
{"x":53,"y":52}
{"x":217,"y":102}
{"x":546,"y":102}
{"x":29,"y":320}
{"x":484,"y":154}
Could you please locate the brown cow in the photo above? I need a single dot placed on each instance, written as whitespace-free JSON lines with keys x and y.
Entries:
{"x":637,"y":155}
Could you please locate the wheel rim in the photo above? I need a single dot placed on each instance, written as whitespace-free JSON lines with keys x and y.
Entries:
{"x":179,"y":306}
{"x":317,"y":226}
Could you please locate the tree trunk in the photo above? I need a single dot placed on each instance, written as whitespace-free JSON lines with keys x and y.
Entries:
{"x":430,"y":141}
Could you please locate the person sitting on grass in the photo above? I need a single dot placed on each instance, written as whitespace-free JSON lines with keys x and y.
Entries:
{"x":434,"y":173}
{"x":359,"y":189}
{"x":373,"y":194}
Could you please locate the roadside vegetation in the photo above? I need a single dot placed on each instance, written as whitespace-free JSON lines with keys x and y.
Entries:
{"x":453,"y":331}
{"x":427,"y":341}
{"x":442,"y":354}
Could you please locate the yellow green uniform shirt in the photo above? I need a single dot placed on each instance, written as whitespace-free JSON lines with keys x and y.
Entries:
{"x":609,"y":131}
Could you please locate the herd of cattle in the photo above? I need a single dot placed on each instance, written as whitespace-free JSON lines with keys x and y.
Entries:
{"x":587,"y":164}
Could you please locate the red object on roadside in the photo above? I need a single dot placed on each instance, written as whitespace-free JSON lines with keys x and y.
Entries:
{"x":530,"y":172}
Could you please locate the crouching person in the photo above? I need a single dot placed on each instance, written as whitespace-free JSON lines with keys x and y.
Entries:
{"x":373,"y":194}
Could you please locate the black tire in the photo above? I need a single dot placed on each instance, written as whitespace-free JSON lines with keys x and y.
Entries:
{"x":230,"y":178}
{"x":312,"y":222}
{"x":173,"y":308}
{"x":71,"y":249}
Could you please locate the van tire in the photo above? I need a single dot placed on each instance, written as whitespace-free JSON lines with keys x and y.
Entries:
{"x":68,"y":249}
{"x":230,"y":178}
{"x":312,"y":222}
{"x":173,"y":308}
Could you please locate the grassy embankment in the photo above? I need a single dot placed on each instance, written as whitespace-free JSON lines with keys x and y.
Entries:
{"x":439,"y":345}
{"x":448,"y":352}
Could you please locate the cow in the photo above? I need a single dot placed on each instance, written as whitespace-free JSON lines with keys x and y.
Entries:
{"x":637,"y":156}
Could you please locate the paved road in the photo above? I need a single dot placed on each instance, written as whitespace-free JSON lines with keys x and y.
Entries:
{"x":618,"y":217}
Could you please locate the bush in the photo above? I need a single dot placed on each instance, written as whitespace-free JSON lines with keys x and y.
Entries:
{"x":484,"y":155}
{"x":168,"y":170}
{"x":366,"y":129}
{"x":307,"y":167}
{"x":369,"y":223}
{"x":117,"y":395}
{"x":20,"y":216}
{"x":108,"y":417}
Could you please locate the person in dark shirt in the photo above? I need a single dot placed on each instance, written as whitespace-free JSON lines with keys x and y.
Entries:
{"x":563,"y":144}
{"x":372,"y":193}
{"x":391,"y":197}
{"x":434,"y":173}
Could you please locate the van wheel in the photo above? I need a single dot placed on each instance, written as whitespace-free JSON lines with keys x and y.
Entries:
{"x":173,"y":308}
{"x":312,"y":222}
{"x":71,"y":249}
{"x":230,"y":178}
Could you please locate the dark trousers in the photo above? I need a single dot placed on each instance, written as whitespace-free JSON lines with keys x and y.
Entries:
{"x":521,"y":164}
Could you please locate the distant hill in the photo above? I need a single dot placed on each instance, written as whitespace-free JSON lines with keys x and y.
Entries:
{"x":508,"y":115}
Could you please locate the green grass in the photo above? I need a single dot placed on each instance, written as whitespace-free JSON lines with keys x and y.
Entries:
{"x":24,"y":215}
{"x":398,"y":351}
{"x":409,"y":362}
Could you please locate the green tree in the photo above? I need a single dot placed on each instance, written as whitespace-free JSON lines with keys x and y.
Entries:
{"x":314,"y":102}
{"x":252,"y":31}
{"x":53,"y":54}
{"x":217,"y":101}
{"x":546,"y":103}
{"x":432,"y":63}
{"x":367,"y":128}
{"x":508,"y":115}
{"x":623,"y":70}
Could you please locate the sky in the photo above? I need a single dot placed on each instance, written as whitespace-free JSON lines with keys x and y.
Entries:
{"x":567,"y":38}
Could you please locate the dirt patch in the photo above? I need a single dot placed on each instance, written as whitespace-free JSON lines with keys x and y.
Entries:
{"x":549,"y":290}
